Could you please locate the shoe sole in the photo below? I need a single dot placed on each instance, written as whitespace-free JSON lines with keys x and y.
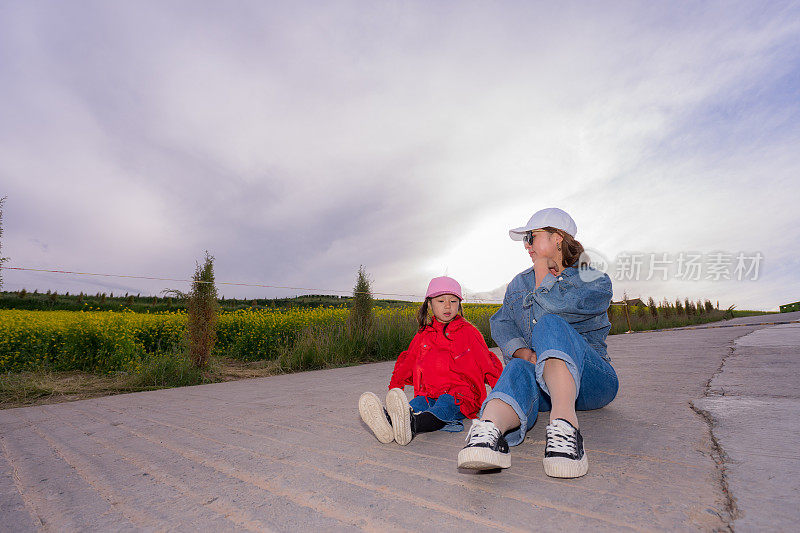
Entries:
{"x":565,"y":468}
{"x":400,"y":413}
{"x":371,"y":411}
{"x":480,"y":458}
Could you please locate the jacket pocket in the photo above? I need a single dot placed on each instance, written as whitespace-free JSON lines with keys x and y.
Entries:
{"x":527,"y":300}
{"x":514,"y":300}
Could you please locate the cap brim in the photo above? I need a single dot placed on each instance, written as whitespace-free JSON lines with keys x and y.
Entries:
{"x":516,"y":234}
{"x":439,"y":293}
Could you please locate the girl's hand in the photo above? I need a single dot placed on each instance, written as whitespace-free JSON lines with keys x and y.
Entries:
{"x":526,"y":354}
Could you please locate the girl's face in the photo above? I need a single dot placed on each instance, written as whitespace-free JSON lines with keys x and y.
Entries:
{"x":543,"y":245}
{"x":445,"y":307}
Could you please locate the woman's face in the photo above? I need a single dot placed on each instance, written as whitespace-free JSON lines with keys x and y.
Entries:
{"x":543,"y":245}
{"x":445,"y":307}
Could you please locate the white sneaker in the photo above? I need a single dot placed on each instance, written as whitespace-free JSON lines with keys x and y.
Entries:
{"x":400,"y":414}
{"x":375,"y":416}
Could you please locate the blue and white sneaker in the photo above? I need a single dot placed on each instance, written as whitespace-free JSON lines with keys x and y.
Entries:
{"x":563,"y":452}
{"x":486,"y":449}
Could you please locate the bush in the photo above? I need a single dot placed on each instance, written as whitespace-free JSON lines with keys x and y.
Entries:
{"x":203,"y":313}
{"x":168,"y":370}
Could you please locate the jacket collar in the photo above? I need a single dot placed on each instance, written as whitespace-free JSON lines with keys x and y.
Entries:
{"x":567,"y":272}
{"x":454,"y":324}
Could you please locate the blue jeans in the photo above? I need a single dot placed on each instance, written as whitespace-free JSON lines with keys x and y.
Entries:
{"x":444,"y":408}
{"x":522,"y":386}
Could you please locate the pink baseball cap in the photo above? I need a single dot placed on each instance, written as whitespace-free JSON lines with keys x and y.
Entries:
{"x":443,"y":285}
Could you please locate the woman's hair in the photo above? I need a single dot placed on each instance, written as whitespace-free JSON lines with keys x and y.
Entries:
{"x":571,"y":250}
{"x":425,"y":314}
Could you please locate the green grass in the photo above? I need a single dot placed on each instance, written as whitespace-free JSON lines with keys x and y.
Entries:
{"x":340,"y":343}
{"x":19,"y":389}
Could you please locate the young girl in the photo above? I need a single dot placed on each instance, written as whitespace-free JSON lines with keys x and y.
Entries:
{"x":448,"y":364}
{"x":552,"y":329}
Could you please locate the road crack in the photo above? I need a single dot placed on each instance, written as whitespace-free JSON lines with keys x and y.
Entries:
{"x":730,"y":509}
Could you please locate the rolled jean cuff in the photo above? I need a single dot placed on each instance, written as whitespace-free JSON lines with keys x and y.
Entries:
{"x":452,"y":427}
{"x":518,"y":435}
{"x":444,"y":408}
{"x":556,"y":354}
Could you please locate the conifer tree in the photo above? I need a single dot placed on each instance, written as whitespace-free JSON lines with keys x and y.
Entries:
{"x":652,"y":305}
{"x":361,"y":310}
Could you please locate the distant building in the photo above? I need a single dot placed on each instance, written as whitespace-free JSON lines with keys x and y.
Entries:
{"x":631,"y":301}
{"x":788,"y":308}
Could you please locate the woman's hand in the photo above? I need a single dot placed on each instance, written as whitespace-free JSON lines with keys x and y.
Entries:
{"x":527,"y":354}
{"x":542,"y":266}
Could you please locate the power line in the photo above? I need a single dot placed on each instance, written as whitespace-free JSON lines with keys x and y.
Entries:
{"x":239,"y":284}
{"x":128,"y":276}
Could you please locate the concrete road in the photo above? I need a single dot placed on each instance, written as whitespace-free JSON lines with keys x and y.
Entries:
{"x":703,"y":436}
{"x":754,"y":406}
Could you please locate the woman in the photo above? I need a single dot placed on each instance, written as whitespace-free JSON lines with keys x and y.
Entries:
{"x":551,"y":329}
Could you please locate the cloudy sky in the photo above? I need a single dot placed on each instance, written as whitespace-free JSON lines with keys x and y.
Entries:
{"x":296,"y":141}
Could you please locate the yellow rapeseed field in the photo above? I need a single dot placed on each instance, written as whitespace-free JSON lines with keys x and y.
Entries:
{"x":106,"y":341}
{"x":83,"y":340}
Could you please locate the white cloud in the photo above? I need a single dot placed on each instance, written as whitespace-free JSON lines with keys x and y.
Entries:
{"x":296,"y":142}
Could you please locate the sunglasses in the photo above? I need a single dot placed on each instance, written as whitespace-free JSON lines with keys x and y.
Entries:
{"x":528,"y":238}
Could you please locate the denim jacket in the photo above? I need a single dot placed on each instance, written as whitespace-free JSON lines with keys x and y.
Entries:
{"x":582,"y":304}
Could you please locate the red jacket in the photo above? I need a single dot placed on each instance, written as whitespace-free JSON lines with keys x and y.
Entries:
{"x":458,"y":364}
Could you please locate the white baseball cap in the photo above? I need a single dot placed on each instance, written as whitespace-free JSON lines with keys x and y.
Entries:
{"x":550,"y":217}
